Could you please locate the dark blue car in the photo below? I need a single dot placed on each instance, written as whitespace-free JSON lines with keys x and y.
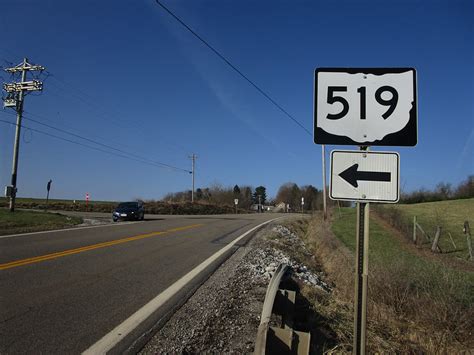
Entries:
{"x":129,"y":211}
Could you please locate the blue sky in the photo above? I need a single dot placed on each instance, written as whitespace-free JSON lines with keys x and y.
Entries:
{"x":127,"y":74}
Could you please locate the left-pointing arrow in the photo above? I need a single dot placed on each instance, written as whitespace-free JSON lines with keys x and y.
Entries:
{"x":352,"y":175}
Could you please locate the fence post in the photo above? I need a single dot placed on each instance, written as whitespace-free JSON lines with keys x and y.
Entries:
{"x":467,"y":231}
{"x":452,"y":241}
{"x":436,"y":239}
{"x":414,"y":229}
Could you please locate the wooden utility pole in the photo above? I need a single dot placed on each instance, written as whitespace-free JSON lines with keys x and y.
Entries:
{"x":16,"y":96}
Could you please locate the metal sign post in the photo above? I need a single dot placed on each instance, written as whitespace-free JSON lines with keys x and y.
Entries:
{"x":48,"y":187}
{"x":362,"y":271}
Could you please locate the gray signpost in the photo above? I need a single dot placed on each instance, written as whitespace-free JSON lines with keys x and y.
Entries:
{"x":365,"y":107}
{"x":48,"y":188}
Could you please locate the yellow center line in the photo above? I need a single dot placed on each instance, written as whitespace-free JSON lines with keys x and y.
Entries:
{"x":60,"y":254}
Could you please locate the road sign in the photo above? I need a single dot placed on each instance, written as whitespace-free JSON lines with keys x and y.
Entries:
{"x":365,"y":176}
{"x":365,"y":106}
{"x":236,"y":201}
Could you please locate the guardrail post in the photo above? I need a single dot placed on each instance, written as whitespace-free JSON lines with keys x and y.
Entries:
{"x":285,"y":340}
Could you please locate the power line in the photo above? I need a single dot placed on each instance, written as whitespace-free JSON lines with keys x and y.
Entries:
{"x":156,"y":163}
{"x":221,"y":56}
{"x":111,"y":116}
{"x":131,"y":157}
{"x":103,"y":145}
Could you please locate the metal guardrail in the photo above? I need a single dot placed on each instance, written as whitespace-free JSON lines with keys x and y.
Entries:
{"x":275,"y":340}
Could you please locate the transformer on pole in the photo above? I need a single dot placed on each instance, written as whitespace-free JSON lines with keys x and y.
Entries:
{"x":15,"y":99}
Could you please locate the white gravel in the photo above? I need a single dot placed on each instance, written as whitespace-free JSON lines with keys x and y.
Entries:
{"x":224,"y":313}
{"x":94,"y":222}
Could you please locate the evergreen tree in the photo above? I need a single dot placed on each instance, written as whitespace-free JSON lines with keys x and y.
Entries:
{"x":236,"y":191}
{"x":260,"y":191}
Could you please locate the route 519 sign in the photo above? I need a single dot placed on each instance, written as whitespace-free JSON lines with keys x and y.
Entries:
{"x":365,"y":106}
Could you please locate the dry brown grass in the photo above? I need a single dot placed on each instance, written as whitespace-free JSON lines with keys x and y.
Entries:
{"x":406,"y":313}
{"x":151,"y":207}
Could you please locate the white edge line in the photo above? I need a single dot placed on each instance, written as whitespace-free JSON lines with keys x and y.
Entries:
{"x":67,"y":229}
{"x":121,"y":331}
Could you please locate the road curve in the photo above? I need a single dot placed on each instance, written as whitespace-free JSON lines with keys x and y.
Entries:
{"x":63,"y":291}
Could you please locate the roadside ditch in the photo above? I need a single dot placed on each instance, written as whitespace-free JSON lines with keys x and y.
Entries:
{"x":224,"y":313}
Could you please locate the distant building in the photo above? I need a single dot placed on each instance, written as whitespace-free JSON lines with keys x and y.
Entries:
{"x":264,"y":208}
{"x":280,"y":207}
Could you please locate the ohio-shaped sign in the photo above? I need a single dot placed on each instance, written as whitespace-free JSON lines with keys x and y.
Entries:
{"x":365,"y":106}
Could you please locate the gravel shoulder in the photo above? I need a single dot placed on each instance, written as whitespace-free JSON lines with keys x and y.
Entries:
{"x":224,"y":313}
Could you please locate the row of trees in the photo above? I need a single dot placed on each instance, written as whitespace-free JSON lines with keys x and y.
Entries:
{"x":289,"y":193}
{"x":219,"y":195}
{"x":443,"y":191}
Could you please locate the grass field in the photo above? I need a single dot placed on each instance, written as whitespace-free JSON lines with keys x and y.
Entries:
{"x":386,"y":250}
{"x":449,"y":215}
{"x":416,"y":289}
{"x":26,"y":221}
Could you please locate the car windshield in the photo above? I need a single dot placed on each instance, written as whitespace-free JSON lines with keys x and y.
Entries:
{"x":128,"y":205}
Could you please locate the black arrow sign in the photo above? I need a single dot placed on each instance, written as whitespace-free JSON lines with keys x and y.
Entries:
{"x":351,"y":175}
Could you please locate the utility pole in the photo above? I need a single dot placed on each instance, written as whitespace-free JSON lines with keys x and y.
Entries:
{"x":259,"y":203}
{"x":16,"y":93}
{"x":193,"y":158}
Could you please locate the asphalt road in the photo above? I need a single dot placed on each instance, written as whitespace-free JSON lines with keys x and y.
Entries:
{"x":63,"y":291}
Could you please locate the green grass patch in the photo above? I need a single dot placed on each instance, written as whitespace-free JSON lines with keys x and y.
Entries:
{"x":28,"y":221}
{"x":449,"y":215}
{"x":414,"y":301}
{"x":418,"y":274}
